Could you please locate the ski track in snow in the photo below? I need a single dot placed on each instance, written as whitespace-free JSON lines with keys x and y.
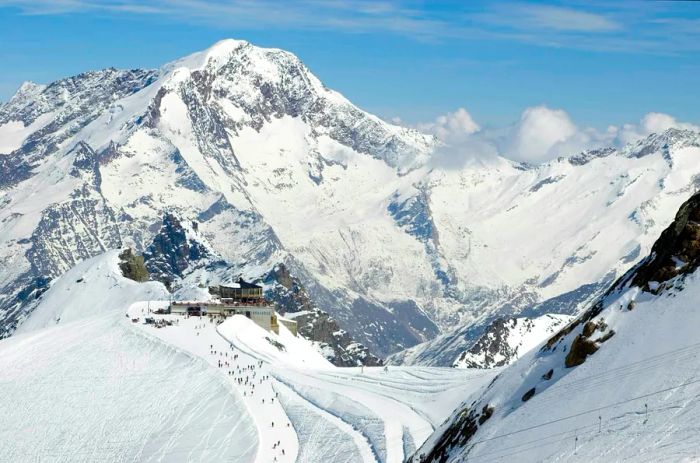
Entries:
{"x":321,"y":413}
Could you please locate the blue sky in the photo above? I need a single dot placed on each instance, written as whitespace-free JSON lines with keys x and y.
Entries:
{"x":603,"y":63}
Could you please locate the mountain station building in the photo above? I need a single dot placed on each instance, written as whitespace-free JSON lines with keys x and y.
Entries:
{"x":241,"y":298}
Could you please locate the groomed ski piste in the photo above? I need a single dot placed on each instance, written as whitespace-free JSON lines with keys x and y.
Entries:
{"x":304,"y":408}
{"x":108,"y":387}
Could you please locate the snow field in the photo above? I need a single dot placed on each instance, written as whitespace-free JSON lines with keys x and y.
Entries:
{"x":375,"y":415}
{"x":199,"y":337}
{"x":92,"y":390}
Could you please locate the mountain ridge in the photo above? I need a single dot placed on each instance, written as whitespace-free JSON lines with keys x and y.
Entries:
{"x":277,"y":169}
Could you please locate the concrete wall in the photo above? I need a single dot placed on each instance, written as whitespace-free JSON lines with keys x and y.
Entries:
{"x":263,"y":316}
{"x":291,"y":325}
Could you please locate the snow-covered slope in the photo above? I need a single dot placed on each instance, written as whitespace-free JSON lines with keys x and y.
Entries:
{"x":102,"y":386}
{"x":277,"y":169}
{"x":93,"y":287}
{"x":79,"y":384}
{"x":369,"y":414}
{"x":483,"y":345}
{"x":618,"y":383}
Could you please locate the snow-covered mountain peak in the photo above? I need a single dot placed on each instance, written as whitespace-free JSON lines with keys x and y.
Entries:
{"x":276,"y":168}
{"x":211,"y":58}
{"x":27,"y":89}
{"x":670,"y":139}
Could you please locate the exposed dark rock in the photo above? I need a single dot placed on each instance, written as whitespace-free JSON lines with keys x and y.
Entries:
{"x":457,"y":435}
{"x":290,"y":297}
{"x":172,"y":251}
{"x":18,"y":301}
{"x":494,"y":347}
{"x":528,"y":395}
{"x":72,"y":231}
{"x":286,"y":291}
{"x":675,"y":253}
{"x":587,"y":156}
{"x":132,"y":266}
{"x":336,"y":344}
{"x":549,"y":180}
{"x":581,"y":348}
{"x":588,"y":329}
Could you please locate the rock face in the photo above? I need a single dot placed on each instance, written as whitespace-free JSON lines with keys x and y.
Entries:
{"x":292,"y":300}
{"x":505,"y":340}
{"x":172,"y":251}
{"x":333,"y":342}
{"x":675,"y":253}
{"x":286,"y":291}
{"x":278,"y":169}
{"x":133,"y":267}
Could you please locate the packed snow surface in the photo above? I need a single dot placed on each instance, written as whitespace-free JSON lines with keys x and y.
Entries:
{"x":96,"y":390}
{"x":289,"y":389}
{"x":92,"y":287}
{"x":104,"y":385}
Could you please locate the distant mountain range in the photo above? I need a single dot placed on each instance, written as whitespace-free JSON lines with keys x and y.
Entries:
{"x":238,"y":161}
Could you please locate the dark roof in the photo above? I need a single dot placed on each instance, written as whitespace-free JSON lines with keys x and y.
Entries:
{"x":245,"y":284}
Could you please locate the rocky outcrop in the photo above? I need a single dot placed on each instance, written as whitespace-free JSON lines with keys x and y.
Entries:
{"x":333,"y":342}
{"x":133,"y":266}
{"x":466,"y":424}
{"x":72,"y":231}
{"x":506,"y":339}
{"x":172,"y":251}
{"x":336,"y":344}
{"x":675,"y":253}
{"x":286,"y":291}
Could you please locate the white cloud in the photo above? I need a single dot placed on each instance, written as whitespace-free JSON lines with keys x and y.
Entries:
{"x":541,"y":134}
{"x":658,"y":122}
{"x":650,"y":123}
{"x":451,"y":126}
{"x":566,"y":19}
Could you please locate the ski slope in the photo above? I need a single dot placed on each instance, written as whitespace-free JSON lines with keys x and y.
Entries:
{"x":88,"y":380}
{"x":95,"y":390}
{"x":299,"y":402}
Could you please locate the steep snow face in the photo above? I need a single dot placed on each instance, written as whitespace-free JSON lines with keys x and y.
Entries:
{"x":276,"y":168}
{"x":618,"y":383}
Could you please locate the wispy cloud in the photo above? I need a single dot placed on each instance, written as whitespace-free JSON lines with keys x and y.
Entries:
{"x":607,"y":27}
{"x":546,"y":17}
